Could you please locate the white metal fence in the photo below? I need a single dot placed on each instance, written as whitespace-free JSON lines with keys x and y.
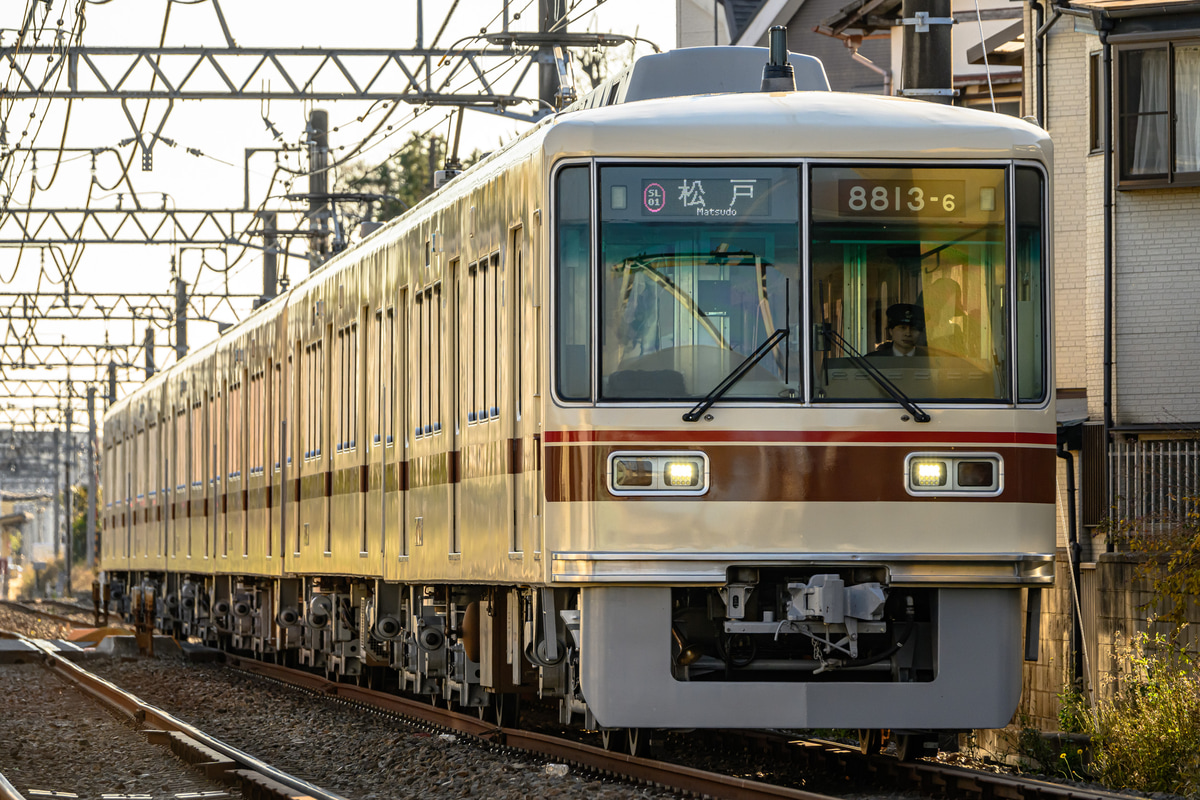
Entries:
{"x":1155,"y":480}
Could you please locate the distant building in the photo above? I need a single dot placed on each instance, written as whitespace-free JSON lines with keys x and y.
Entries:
{"x":859,"y":42}
{"x":1117,"y":85}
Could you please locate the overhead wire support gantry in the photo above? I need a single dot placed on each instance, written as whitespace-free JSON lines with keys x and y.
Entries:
{"x":270,"y":73}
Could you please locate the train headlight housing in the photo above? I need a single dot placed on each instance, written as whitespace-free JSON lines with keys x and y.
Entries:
{"x":940,"y":474}
{"x":658,"y":474}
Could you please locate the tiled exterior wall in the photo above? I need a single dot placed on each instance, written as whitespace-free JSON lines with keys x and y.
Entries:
{"x":1157,"y":311}
{"x":1067,"y":122}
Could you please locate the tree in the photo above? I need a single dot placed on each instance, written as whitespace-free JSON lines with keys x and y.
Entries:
{"x":79,"y":505}
{"x":406,"y":177}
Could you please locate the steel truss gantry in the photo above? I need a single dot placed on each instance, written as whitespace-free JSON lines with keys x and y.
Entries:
{"x":268,"y":73}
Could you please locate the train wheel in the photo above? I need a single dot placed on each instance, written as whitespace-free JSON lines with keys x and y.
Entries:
{"x":911,"y":746}
{"x":870,"y":741}
{"x":610,"y":738}
{"x":508,"y":709}
{"x":638,"y":740}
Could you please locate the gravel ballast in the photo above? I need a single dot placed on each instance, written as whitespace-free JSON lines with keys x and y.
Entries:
{"x":53,"y":738}
{"x":356,"y":753}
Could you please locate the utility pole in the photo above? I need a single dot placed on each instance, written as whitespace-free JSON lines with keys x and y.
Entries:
{"x":549,"y":13}
{"x":68,"y":497}
{"x":148,"y":346}
{"x":270,"y":257}
{"x":318,"y":188}
{"x":181,"y":304}
{"x":91,"y":507}
{"x":54,"y":494}
{"x":112,"y":384}
{"x":927,"y":63}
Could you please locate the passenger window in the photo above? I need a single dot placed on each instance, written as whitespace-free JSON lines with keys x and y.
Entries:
{"x":574,"y":311}
{"x":1031,"y":327}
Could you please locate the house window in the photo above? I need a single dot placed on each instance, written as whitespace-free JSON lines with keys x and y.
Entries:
{"x":1160,"y":114}
{"x":1096,"y":98}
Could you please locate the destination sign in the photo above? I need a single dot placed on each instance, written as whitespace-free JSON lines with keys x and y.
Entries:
{"x":706,"y":197}
{"x":700,"y":193}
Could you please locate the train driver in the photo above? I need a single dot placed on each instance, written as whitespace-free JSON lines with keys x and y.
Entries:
{"x":905,"y":322}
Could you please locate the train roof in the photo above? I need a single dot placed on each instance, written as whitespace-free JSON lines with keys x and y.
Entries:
{"x":699,"y":70}
{"x":794,"y":124}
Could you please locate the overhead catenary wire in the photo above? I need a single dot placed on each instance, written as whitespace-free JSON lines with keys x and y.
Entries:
{"x":383,"y":121}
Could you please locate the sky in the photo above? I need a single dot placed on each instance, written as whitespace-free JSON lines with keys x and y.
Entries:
{"x":205,"y":167}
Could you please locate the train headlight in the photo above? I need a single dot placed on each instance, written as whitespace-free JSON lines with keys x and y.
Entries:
{"x":682,"y":473}
{"x":954,"y":474}
{"x":633,"y":472}
{"x":975,"y":473}
{"x":929,"y":473}
{"x":678,"y":473}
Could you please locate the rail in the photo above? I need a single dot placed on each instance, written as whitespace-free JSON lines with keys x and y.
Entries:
{"x":8,"y":791}
{"x":927,"y":777}
{"x":268,"y":781}
{"x":671,"y":776}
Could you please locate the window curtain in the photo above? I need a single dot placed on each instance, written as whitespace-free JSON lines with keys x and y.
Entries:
{"x":1150,"y":146}
{"x":1187,"y":109}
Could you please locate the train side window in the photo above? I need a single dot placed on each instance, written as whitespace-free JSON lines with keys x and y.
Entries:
{"x":435,"y":358}
{"x":1030,"y":265}
{"x":389,"y":400}
{"x":355,"y":377}
{"x":481,"y":329}
{"x":375,"y":378}
{"x":466,"y":348}
{"x":322,"y":389}
{"x":420,"y":373}
{"x":518,"y":337}
{"x":497,"y":303}
{"x":478,"y":350}
{"x":274,"y":437}
{"x":574,"y":286}
{"x":197,"y":446}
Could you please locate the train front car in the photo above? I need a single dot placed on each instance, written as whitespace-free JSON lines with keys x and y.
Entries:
{"x":799,"y":456}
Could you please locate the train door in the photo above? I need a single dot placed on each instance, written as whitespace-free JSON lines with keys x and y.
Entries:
{"x":397,"y":434}
{"x":362,"y":447}
{"x":271,"y":465}
{"x":516,"y":340}
{"x":161,"y":475}
{"x":376,"y":494}
{"x":453,"y":382}
{"x":128,"y":507}
{"x":325,"y":412}
{"x":223,"y":476}
{"x":291,"y":467}
{"x":387,"y":404}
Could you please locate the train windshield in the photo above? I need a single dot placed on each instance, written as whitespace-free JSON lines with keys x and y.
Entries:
{"x":909,"y":271}
{"x":699,"y":266}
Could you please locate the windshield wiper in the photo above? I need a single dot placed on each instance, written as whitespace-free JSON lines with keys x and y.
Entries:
{"x":858,"y":360}
{"x":735,"y":376}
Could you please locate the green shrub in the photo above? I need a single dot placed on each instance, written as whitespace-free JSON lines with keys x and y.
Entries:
{"x":1146,"y":734}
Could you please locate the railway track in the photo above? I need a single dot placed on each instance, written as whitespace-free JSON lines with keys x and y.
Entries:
{"x":218,"y":761}
{"x":929,"y":778}
{"x":675,"y":777}
{"x":77,"y":620}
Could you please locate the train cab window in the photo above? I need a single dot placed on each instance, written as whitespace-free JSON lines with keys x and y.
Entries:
{"x":699,"y":267}
{"x":909,"y":270}
{"x":574,"y":300}
{"x":1029,"y":214}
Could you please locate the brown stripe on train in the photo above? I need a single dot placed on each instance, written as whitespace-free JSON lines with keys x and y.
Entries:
{"x":816,"y":473}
